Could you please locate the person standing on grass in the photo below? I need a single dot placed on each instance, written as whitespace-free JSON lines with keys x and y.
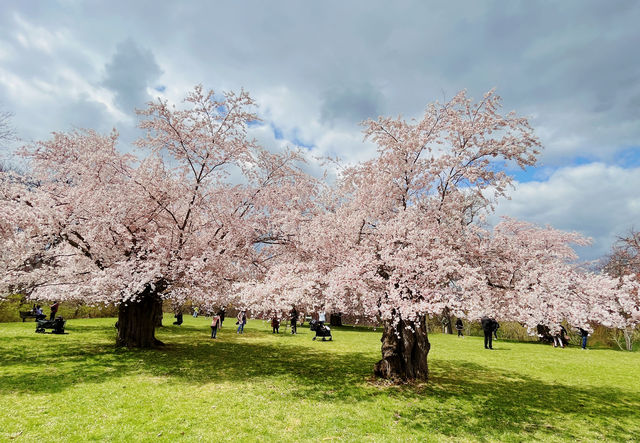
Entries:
{"x":584,"y":334}
{"x":178,"y":316}
{"x":195,"y":312}
{"x":294,"y":320}
{"x":459,"y":327}
{"x":215,"y":324}
{"x":559,"y":338}
{"x":54,"y":310}
{"x":496,"y":325}
{"x":242,"y":320}
{"x":221,"y":313}
{"x":489,"y":328}
{"x":275,"y":324}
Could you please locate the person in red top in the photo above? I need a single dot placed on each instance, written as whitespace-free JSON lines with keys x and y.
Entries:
{"x":54,"y":310}
{"x":275,"y":324}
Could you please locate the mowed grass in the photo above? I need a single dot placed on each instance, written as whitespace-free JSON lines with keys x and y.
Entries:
{"x":264,"y":387}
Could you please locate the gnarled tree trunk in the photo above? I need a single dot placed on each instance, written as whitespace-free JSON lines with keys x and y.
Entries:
{"x":404,"y":351}
{"x":137,"y":321}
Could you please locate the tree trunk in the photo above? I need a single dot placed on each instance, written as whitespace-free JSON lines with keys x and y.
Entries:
{"x":136,"y":321}
{"x":628,"y":338}
{"x":404,"y":351}
{"x":446,"y":321}
{"x":158,"y":313}
{"x":335,"y":320}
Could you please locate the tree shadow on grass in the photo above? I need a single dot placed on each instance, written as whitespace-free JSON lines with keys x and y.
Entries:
{"x":462,"y":398}
{"x":513,"y":402}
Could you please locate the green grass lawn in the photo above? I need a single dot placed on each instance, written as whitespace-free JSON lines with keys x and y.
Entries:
{"x":265,"y":387}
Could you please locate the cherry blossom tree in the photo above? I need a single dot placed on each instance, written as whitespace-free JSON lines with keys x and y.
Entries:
{"x":390,"y":243}
{"x":623,"y":264}
{"x":201,"y":208}
{"x":533,"y":277}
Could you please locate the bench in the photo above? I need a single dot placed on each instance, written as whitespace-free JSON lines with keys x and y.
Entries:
{"x":26,"y":314}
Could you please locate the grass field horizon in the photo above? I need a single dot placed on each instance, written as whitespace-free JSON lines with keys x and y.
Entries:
{"x":264,"y":387}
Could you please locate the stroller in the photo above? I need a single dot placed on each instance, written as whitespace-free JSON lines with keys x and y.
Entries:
{"x":56,"y":325}
{"x":320,"y":329}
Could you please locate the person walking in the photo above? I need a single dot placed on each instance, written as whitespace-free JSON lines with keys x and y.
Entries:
{"x":489,"y":329}
{"x":275,"y":324}
{"x":54,"y":310}
{"x":293,"y":315}
{"x":242,"y":320}
{"x":459,"y":327}
{"x":215,"y":324}
{"x":195,"y":312}
{"x":584,"y":334}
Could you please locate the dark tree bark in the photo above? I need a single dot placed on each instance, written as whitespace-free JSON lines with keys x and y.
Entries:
{"x":335,"y":320}
{"x":404,"y":351}
{"x":137,"y":321}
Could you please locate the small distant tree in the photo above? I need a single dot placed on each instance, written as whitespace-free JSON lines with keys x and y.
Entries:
{"x":623,"y":263}
{"x":7,"y":131}
{"x":7,"y":134}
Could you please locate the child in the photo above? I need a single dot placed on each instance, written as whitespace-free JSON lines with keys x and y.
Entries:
{"x":275,"y":324}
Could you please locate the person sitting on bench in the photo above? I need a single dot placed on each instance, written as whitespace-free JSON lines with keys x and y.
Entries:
{"x":39,"y":314}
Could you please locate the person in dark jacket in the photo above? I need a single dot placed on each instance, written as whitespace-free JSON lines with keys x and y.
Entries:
{"x":178,"y":316}
{"x":496,"y":325}
{"x":584,"y":334}
{"x":293,"y":316}
{"x":221,"y":313}
{"x":488,"y":327}
{"x":459,"y":327}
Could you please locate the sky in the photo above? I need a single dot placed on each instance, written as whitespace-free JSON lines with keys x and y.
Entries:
{"x":317,"y":69}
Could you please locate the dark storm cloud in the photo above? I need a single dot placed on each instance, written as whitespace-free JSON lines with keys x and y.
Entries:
{"x":352,"y":104}
{"x":128,"y":74}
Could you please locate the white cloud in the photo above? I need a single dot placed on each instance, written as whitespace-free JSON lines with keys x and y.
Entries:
{"x":598,"y":200}
{"x":315,"y":69}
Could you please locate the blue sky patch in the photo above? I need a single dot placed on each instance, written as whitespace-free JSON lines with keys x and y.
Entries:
{"x":277,"y":132}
